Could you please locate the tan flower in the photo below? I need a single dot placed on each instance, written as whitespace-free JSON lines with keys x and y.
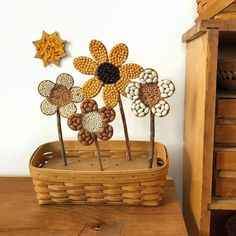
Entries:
{"x":108,"y":71}
{"x":149,"y":94}
{"x":92,"y":122}
{"x":60,"y":95}
{"x":50,"y":48}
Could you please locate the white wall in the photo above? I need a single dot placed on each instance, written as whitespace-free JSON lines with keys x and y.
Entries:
{"x":152,"y":30}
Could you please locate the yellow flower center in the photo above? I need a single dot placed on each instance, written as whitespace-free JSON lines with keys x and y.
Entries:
{"x":60,"y":95}
{"x":149,"y":94}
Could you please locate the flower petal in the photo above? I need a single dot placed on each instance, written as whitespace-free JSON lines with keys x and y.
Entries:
{"x":148,"y":76}
{"x":67,"y":110}
{"x":161,"y":109}
{"x":98,"y":51}
{"x":130,"y":71}
{"x":88,"y":105}
{"x":92,"y":87}
{"x":85,"y":65}
{"x":48,"y":108}
{"x":110,"y":95}
{"x":74,"y":121}
{"x":45,"y":88}
{"x":121,"y":85}
{"x":77,"y":94}
{"x":66,"y":80}
{"x":132,"y":90}
{"x":118,"y":54}
{"x":106,"y":132}
{"x":85,"y":137}
{"x":166,"y":87}
{"x":108,"y":114}
{"x":139,"y":109}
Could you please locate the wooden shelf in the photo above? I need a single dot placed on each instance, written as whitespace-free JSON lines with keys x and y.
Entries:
{"x":226,"y":94}
{"x":208,"y":112}
{"x":223,"y":204}
{"x":21,"y":215}
{"x":224,"y":149}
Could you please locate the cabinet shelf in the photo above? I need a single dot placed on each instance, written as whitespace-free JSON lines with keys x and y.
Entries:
{"x":226,"y":94}
{"x":209,"y":134}
{"x":223,"y":204}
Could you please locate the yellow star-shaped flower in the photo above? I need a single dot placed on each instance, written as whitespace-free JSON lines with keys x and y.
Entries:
{"x":50,"y":48}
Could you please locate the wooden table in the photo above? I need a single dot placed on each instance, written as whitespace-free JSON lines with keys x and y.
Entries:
{"x":20,"y":215}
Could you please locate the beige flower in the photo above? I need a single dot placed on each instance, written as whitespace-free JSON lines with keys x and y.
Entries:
{"x":60,"y":95}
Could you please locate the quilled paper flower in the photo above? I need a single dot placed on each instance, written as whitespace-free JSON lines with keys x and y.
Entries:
{"x":150,"y":94}
{"x":108,"y":71}
{"x":92,"y":122}
{"x":50,"y":48}
{"x":60,"y":95}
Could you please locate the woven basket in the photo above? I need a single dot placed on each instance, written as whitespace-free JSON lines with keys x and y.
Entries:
{"x":227,"y":74}
{"x":122,"y":182}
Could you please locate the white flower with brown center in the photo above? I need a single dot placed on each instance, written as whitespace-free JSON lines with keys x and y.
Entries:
{"x":149,"y":93}
{"x":60,"y":96}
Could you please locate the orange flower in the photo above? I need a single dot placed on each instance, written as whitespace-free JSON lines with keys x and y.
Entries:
{"x":50,"y":48}
{"x":108,"y":71}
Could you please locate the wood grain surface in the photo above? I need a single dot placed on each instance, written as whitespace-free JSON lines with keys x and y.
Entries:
{"x":22,"y":216}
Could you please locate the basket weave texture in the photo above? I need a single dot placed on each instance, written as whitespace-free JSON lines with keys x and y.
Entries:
{"x":140,"y":186}
{"x":226,"y":74}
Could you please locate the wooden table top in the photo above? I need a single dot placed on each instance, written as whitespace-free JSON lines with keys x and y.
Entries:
{"x":20,"y":215}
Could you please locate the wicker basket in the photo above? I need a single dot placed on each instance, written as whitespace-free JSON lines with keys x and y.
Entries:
{"x":227,"y":74}
{"x":122,"y":182}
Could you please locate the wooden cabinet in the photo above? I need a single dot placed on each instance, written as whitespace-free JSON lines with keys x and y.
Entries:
{"x":210,"y":130}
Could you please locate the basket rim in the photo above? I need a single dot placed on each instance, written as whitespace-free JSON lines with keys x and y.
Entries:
{"x":98,"y":172}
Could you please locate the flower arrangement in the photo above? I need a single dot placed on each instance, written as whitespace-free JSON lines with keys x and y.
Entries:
{"x":147,"y":91}
{"x":119,"y":181}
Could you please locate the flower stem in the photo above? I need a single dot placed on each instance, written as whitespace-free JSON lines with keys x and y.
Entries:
{"x":152,"y":137}
{"x":98,"y":153}
{"x":125,"y":127}
{"x":63,"y":154}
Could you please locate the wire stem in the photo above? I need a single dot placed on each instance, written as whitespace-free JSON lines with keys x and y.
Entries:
{"x":63,"y":154}
{"x":98,"y":153}
{"x":125,"y":128}
{"x":152,"y":137}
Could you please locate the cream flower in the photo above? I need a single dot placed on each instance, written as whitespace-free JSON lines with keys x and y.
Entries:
{"x":60,"y":96}
{"x":150,"y":94}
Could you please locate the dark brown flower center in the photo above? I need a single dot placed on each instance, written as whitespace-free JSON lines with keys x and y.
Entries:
{"x":60,"y":95}
{"x":149,"y":94}
{"x":108,"y":73}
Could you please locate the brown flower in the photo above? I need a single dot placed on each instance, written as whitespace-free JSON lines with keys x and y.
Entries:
{"x":92,"y":122}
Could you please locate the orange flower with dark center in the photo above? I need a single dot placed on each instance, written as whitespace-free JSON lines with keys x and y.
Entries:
{"x":108,"y":71}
